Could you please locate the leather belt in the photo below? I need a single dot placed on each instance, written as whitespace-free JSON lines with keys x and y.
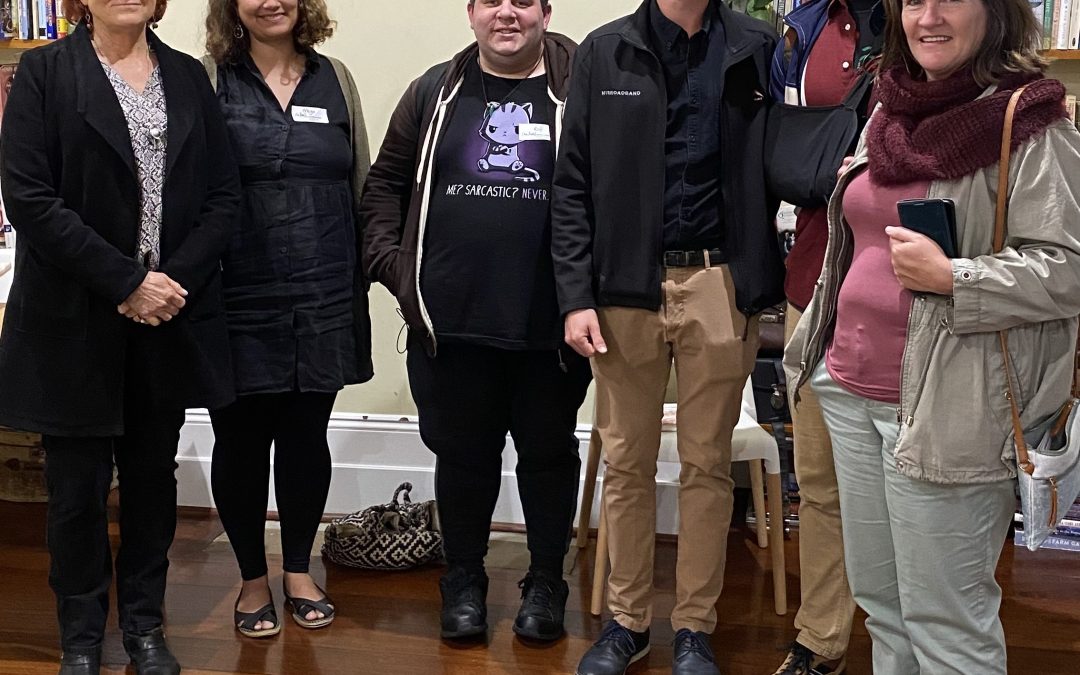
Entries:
{"x":693,"y":258}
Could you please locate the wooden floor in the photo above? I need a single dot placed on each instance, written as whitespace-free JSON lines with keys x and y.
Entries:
{"x":388,"y":623}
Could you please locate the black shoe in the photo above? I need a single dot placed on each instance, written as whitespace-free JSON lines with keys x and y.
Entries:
{"x":464,"y":603}
{"x":80,"y":664}
{"x":613,"y":653}
{"x":149,"y":653}
{"x":693,"y":655}
{"x":543,"y":606}
{"x":802,"y":660}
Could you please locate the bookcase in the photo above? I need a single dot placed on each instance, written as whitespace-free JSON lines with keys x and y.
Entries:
{"x":11,"y":49}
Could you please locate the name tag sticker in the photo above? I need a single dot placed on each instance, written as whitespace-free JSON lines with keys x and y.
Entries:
{"x":314,"y":115}
{"x":534,"y":132}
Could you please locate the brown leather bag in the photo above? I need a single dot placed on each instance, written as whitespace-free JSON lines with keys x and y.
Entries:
{"x":771,"y":332}
{"x":1049,"y":473}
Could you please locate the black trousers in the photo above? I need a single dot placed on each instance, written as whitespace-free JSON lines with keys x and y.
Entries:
{"x":295,"y":422}
{"x":78,"y":473}
{"x":469,"y":397}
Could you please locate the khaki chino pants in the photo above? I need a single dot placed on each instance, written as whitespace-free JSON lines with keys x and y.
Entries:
{"x":713,"y":347}
{"x":827,"y":610}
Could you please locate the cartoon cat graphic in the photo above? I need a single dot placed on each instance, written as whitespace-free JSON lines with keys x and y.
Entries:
{"x":500,"y":130}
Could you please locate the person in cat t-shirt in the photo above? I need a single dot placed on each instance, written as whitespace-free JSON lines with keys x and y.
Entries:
{"x":456,"y":210}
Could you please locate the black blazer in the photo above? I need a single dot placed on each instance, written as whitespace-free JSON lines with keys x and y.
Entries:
{"x":67,"y":173}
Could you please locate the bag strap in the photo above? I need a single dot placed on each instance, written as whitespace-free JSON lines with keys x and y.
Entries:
{"x":858,"y":90}
{"x":1023,"y":460}
{"x":1001,"y":211}
{"x":405,"y":487}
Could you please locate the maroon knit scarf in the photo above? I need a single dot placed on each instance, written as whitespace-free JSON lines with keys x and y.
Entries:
{"x":942,"y":130}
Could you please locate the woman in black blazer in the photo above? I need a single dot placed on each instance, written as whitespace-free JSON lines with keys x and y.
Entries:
{"x":115,"y":172}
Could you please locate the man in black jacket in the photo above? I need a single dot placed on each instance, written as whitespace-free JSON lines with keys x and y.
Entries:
{"x":457,"y":217}
{"x":665,"y":249}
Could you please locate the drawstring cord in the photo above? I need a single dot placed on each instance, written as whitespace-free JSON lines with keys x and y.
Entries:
{"x":401,"y":349}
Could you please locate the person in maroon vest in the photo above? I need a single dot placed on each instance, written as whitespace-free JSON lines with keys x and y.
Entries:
{"x":839,"y":37}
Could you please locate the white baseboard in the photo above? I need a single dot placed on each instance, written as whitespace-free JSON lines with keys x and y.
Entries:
{"x":373,"y":454}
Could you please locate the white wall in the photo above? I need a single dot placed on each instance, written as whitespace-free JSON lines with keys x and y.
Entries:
{"x":373,"y":435}
{"x":386,"y":44}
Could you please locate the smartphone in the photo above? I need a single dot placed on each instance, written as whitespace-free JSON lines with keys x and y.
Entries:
{"x":936,"y":218}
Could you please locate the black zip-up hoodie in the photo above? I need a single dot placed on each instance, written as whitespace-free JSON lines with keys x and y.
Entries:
{"x":607,"y":209}
{"x":398,"y":188}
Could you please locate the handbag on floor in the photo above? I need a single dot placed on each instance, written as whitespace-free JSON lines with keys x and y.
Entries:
{"x":1048,"y":467}
{"x":394,"y":536}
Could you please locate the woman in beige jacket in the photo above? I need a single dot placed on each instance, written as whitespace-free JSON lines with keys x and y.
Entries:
{"x":900,"y":342}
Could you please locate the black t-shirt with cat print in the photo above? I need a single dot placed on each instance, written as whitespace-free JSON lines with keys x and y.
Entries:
{"x":486,"y":274}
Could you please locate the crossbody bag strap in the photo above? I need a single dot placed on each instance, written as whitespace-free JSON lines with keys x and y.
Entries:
{"x":1000,"y":216}
{"x":1001,"y":211}
{"x":855,"y":96}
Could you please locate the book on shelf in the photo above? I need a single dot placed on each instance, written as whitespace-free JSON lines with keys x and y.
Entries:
{"x":24,"y":16}
{"x":1061,"y":23}
{"x":50,"y":19}
{"x":1038,"y":8}
{"x":36,"y":20}
{"x":1074,"y":25}
{"x":1071,"y":521}
{"x":1055,"y":542}
{"x":1070,"y":107}
{"x":1047,"y":21}
{"x":1068,"y":526}
{"x":42,"y":19}
{"x":33,"y":20}
{"x":7,"y":26}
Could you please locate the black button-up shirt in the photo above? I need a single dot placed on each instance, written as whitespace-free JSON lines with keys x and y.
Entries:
{"x":693,"y":205}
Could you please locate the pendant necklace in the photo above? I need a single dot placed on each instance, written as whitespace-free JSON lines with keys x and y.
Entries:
{"x":493,"y":105}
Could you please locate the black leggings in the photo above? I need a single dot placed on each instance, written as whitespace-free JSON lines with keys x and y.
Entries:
{"x":295,"y":423}
{"x":469,"y":397}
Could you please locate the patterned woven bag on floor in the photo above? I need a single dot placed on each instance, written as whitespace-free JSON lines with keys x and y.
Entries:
{"x":394,"y":536}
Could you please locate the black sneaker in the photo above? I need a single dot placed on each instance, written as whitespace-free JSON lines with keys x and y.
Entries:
{"x":802,"y":660}
{"x":693,"y":655}
{"x":543,"y":605}
{"x":613,"y":653}
{"x":464,"y":603}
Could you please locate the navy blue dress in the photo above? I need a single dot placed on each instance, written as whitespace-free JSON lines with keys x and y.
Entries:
{"x":288,"y":273}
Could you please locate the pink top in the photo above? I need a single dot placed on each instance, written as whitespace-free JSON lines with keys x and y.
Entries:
{"x":867,"y":347}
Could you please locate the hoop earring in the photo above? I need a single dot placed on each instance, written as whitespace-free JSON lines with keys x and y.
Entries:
{"x":238,"y":32}
{"x":89,"y":22}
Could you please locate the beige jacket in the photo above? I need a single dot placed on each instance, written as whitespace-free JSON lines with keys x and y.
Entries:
{"x":954,"y":414}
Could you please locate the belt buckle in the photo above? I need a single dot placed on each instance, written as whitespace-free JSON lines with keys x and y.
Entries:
{"x":676,"y":258}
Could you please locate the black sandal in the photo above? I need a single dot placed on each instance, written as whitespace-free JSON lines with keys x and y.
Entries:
{"x":246,"y":621}
{"x":301,"y":607}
